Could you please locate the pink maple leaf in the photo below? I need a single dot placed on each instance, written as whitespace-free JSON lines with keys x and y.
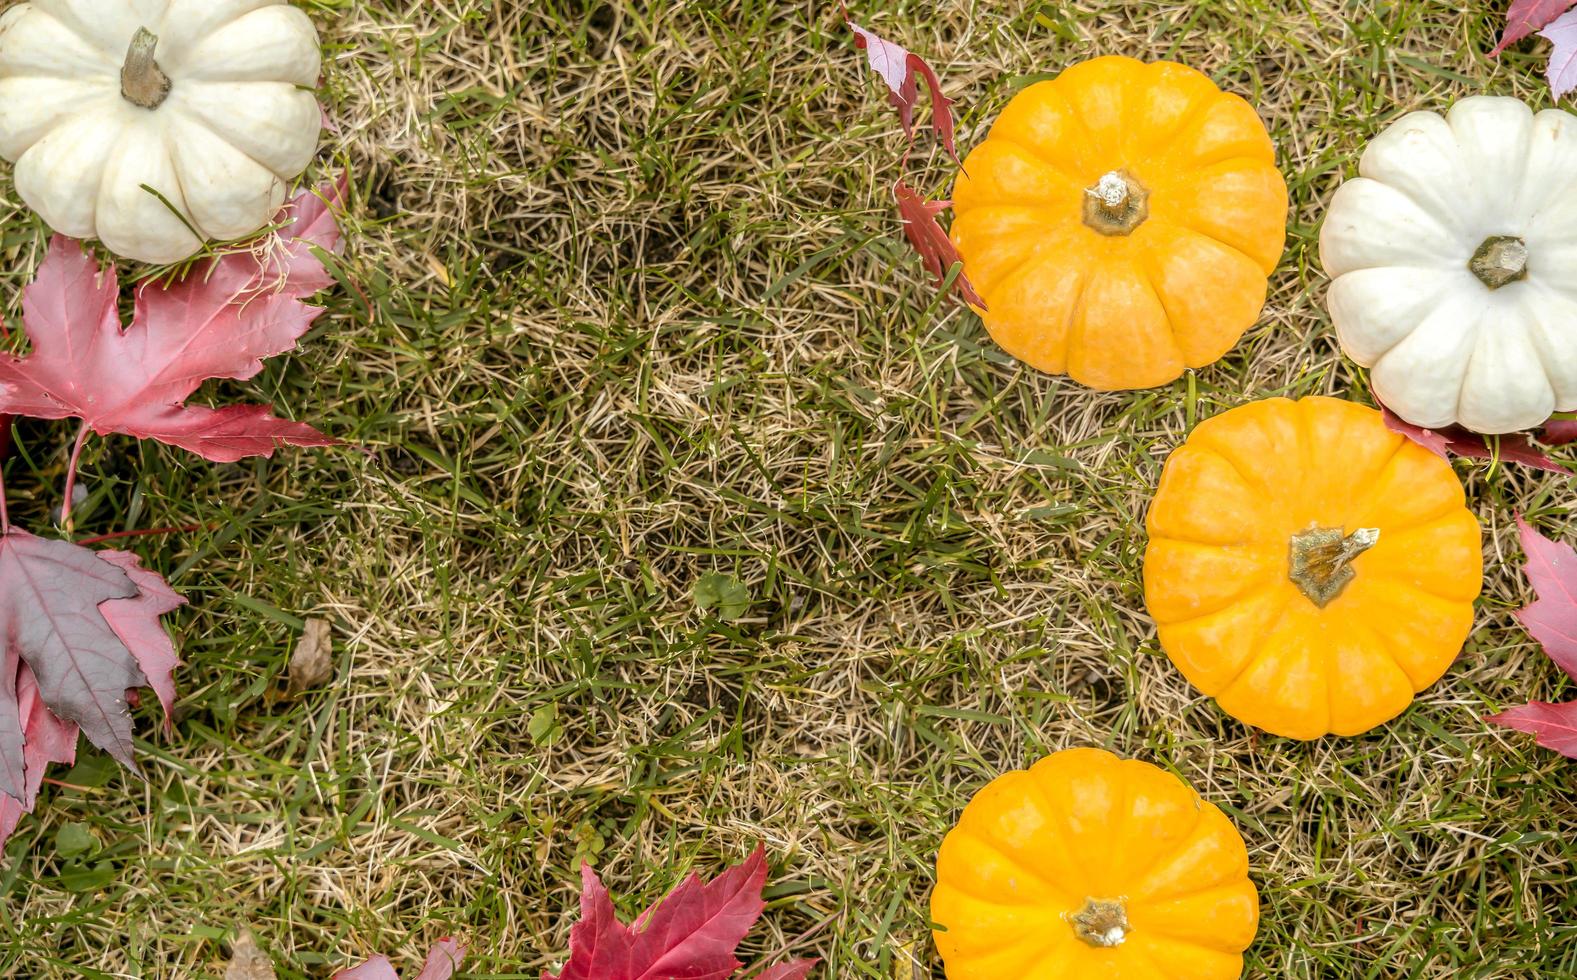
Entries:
{"x":135,"y":622}
{"x":1562,"y":70}
{"x":59,"y":677}
{"x":689,"y":935}
{"x":49,"y":740}
{"x":1552,"y":620}
{"x":442,"y":961}
{"x":221,"y":321}
{"x":901,"y":70}
{"x":1526,"y":16}
{"x":1513,"y":447}
{"x":1552,"y":617}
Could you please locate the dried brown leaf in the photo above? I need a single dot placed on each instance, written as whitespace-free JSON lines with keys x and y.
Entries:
{"x":312,"y":663}
{"x":248,"y":960}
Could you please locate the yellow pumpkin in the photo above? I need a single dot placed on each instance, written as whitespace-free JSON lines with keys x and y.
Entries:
{"x":1308,"y":568}
{"x":1120,"y":222}
{"x":1088,"y":866}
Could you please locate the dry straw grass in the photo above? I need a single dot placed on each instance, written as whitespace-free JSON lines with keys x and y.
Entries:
{"x":629,"y":306}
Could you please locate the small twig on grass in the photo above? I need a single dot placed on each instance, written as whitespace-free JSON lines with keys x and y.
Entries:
{"x":148,"y":532}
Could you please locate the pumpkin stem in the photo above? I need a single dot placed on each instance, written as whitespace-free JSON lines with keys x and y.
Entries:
{"x":1116,"y":204}
{"x":1501,"y":259}
{"x":1101,"y":923}
{"x":142,"y":82}
{"x":1322,"y":557}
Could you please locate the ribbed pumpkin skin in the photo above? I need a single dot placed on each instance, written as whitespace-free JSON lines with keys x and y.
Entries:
{"x":1123,"y":311}
{"x":1445,"y":345}
{"x":1033,"y":846}
{"x":1216,"y":569}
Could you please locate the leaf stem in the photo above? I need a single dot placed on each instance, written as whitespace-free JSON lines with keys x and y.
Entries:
{"x":5,"y":451}
{"x":71,"y":477}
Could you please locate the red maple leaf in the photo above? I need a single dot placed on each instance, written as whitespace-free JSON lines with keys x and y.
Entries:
{"x":1558,"y":432}
{"x":689,"y":935}
{"x":1552,"y":621}
{"x":221,"y":321}
{"x":444,"y":958}
{"x":930,"y":239}
{"x":1555,"y":725}
{"x":83,"y":631}
{"x":902,"y":70}
{"x":1526,"y":16}
{"x":1513,"y":447}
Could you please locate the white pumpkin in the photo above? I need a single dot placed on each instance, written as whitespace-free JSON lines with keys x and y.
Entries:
{"x":1453,"y":261}
{"x":207,"y":102}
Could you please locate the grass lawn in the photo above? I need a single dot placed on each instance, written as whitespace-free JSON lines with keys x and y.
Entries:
{"x":625,"y":305}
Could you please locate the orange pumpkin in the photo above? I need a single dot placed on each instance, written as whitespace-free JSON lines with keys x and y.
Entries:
{"x":1120,"y":222}
{"x":1309,"y":568}
{"x":1089,"y":866}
